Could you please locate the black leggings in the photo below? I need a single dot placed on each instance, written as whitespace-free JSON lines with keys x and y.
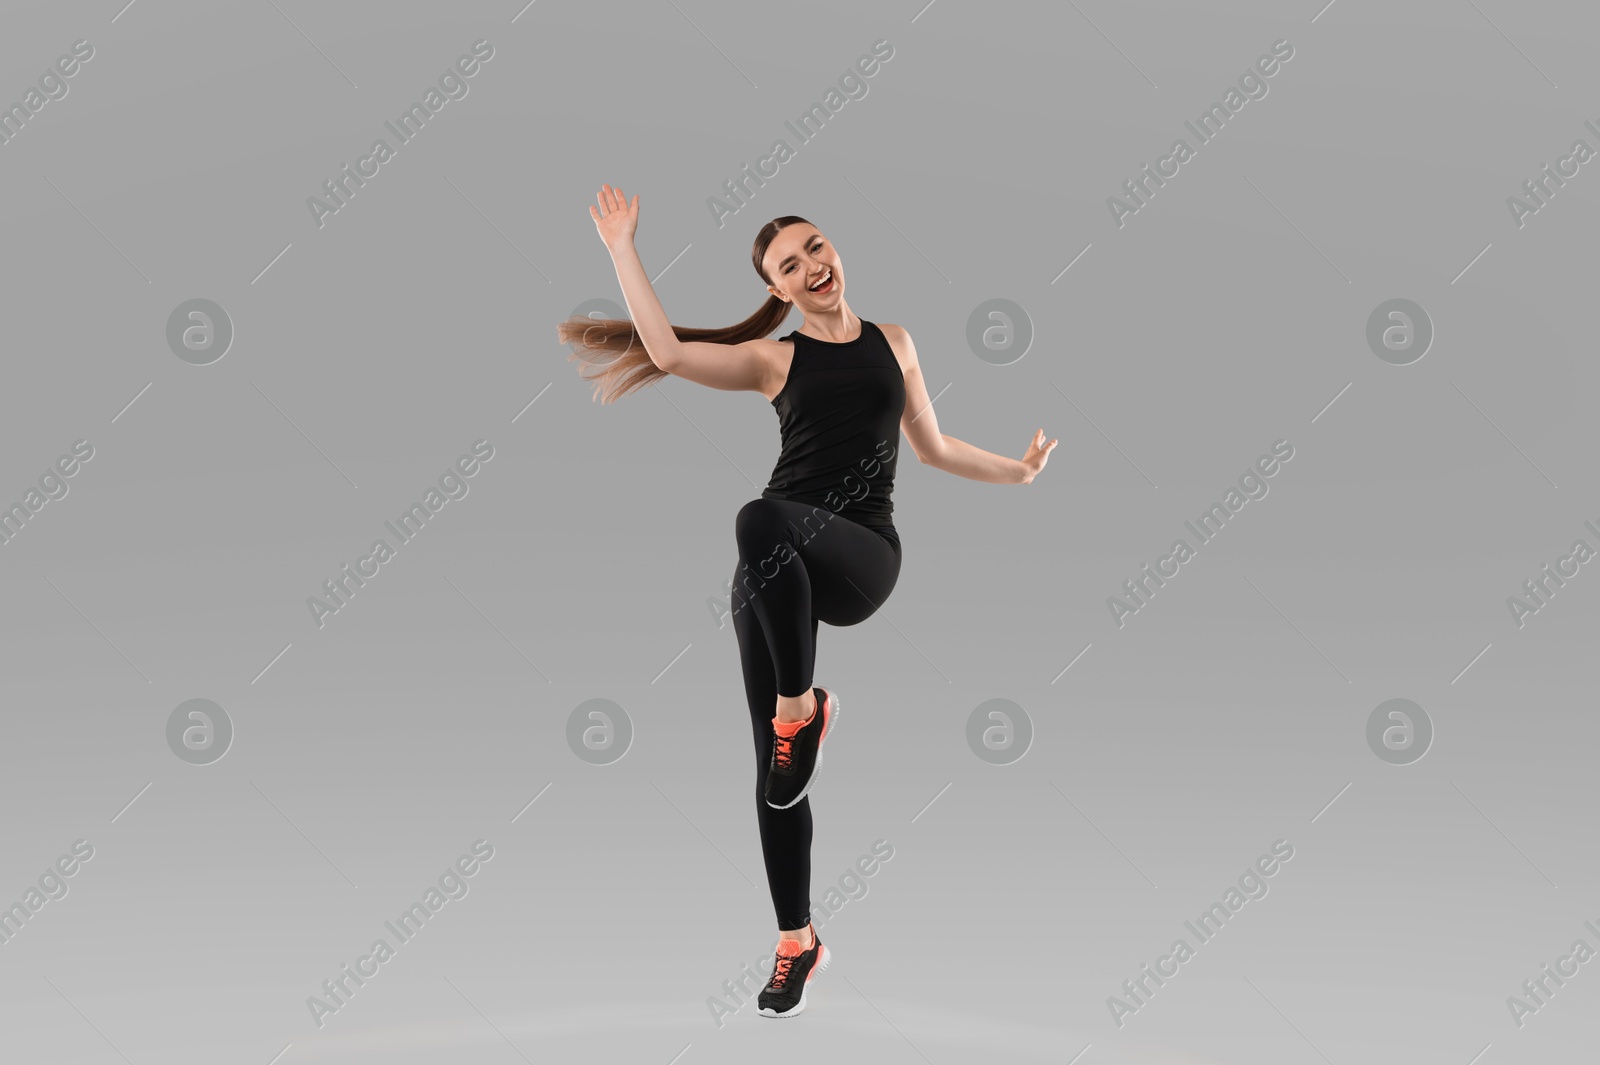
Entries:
{"x":798,"y":564}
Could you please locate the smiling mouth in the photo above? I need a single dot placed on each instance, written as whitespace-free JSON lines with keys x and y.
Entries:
{"x":825,"y":284}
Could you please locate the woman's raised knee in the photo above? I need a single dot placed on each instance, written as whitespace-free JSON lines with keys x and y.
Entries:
{"x":759,"y":527}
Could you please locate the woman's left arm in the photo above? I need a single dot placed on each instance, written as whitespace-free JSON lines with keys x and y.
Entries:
{"x":948,"y":453}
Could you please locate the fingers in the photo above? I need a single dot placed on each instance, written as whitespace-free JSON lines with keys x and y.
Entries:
{"x":614,"y":199}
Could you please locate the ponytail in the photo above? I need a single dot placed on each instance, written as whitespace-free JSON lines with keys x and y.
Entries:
{"x":612,"y":346}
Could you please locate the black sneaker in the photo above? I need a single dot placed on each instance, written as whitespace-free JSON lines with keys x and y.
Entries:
{"x":785,"y":993}
{"x":796,"y":759}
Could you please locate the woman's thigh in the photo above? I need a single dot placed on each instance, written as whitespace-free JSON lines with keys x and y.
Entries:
{"x":852,"y":569}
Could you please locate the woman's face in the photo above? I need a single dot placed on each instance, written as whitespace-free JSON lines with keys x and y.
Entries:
{"x":798,"y":258}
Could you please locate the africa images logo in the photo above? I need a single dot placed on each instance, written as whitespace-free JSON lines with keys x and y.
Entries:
{"x":452,"y":86}
{"x":852,"y":84}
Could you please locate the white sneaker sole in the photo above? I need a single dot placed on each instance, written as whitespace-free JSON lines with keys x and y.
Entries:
{"x":821,"y":965}
{"x":816,"y":770}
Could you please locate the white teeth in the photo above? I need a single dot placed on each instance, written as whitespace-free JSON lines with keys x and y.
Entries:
{"x":824,"y":281}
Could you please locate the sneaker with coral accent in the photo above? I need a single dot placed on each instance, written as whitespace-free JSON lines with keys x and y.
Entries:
{"x":797,"y":751}
{"x":792,"y":972}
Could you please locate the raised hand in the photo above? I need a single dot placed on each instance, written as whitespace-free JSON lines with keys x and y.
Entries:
{"x":1038,"y":454}
{"x":614,"y":218}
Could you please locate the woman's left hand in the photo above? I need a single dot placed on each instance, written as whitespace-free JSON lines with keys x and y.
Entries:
{"x":1038,"y":454}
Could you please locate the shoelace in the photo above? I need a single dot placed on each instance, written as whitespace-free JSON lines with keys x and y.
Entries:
{"x":783,"y":746}
{"x":783,"y":752}
{"x":780,"y":971}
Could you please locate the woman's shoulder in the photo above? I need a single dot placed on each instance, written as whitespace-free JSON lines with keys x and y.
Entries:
{"x":899,"y":342}
{"x":901,"y":347}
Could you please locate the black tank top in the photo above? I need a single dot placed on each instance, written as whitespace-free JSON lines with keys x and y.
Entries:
{"x":839,"y":413}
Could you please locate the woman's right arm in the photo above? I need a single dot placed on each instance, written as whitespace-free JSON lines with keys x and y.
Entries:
{"x":731,"y":367}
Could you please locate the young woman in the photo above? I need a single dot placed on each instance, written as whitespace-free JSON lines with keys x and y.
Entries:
{"x":820,"y":543}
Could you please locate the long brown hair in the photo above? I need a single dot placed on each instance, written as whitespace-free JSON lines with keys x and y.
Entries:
{"x":623,"y":365}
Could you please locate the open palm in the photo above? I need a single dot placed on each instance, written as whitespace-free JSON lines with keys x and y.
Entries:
{"x":615,"y":219}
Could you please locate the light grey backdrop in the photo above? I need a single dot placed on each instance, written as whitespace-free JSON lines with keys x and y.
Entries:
{"x":373,"y":346}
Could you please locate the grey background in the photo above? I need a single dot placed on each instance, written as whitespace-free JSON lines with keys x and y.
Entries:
{"x":370,"y":353}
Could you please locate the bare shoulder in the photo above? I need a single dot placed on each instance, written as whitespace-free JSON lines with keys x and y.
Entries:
{"x":900,"y":343}
{"x":759,"y":365}
{"x":769,"y":350}
{"x":775,"y":357}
